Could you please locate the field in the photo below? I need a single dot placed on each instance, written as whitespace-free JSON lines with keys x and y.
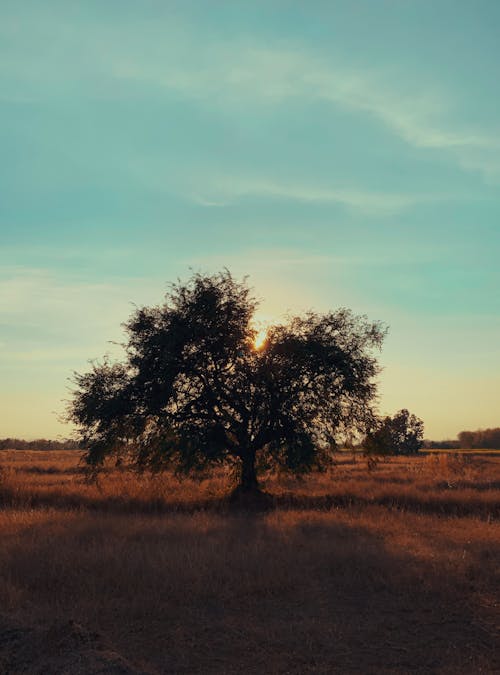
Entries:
{"x":389,"y":570}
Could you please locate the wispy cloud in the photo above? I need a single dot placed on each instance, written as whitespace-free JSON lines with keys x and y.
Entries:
{"x":223,"y":190}
{"x":245,"y":74}
{"x":193,"y":62}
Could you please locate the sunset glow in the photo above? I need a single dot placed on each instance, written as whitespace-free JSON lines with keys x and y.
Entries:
{"x":260,"y":339}
{"x":334,"y":154}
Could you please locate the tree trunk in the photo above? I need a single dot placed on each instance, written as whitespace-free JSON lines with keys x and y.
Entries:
{"x":248,"y":476}
{"x":247,"y":495}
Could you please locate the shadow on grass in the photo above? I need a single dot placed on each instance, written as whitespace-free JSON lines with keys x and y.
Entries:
{"x":480,"y":486}
{"x":440,"y":505}
{"x":294,"y":594}
{"x":51,"y":470}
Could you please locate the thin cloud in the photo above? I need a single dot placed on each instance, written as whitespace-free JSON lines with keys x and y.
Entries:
{"x":191,"y":62}
{"x":205,"y":201}
{"x":250,"y":75}
{"x":226,"y":189}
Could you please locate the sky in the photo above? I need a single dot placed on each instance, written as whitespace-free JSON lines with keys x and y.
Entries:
{"x":340,"y":154}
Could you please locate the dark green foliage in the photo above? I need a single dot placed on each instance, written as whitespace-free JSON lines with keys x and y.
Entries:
{"x":194,"y":390}
{"x":399,"y":435}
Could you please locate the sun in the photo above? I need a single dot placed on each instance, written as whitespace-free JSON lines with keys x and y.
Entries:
{"x":260,"y":339}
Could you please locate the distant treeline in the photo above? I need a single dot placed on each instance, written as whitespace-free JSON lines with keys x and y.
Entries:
{"x":38,"y":444}
{"x":483,"y":438}
{"x":441,"y":445}
{"x":487,"y":439}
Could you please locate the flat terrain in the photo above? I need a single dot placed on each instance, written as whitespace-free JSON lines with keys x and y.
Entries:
{"x":393,"y":570}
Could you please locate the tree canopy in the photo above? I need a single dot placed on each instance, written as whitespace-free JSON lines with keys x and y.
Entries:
{"x":194,"y":389}
{"x":401,"y":434}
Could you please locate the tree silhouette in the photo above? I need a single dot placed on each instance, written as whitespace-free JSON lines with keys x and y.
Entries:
{"x":195,"y":390}
{"x":401,"y":434}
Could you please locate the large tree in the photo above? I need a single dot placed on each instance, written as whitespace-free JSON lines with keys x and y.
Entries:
{"x":196,"y":389}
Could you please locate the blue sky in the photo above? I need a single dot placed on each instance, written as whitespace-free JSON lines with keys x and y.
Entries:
{"x":339,"y":153}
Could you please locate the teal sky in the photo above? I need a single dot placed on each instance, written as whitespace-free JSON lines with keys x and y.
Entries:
{"x":339,"y":153}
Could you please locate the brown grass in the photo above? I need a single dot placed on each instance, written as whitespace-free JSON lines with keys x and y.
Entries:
{"x":394,"y":570}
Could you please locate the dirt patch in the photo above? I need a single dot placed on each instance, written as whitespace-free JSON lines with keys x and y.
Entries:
{"x":65,"y":648}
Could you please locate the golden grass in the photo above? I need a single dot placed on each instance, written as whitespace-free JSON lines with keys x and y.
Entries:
{"x":450,"y":484}
{"x":393,"y":570}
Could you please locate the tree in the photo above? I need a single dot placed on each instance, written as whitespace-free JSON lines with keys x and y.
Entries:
{"x":194,"y":389}
{"x":402,"y":434}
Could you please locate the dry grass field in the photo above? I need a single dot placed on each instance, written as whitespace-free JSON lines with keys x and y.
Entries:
{"x":393,"y":570}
